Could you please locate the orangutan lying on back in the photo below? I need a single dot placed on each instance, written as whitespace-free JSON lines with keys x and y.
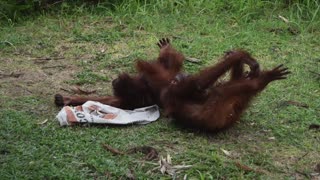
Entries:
{"x":196,"y":102}
{"x":192,"y":100}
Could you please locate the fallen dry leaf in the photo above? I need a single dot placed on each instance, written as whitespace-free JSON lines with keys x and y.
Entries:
{"x":167,"y":167}
{"x":271,"y":138}
{"x":314,"y":126}
{"x":227,"y":153}
{"x":150,"y":152}
{"x":130,"y":175}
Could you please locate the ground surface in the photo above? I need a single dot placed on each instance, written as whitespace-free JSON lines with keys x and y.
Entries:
{"x":42,"y":57}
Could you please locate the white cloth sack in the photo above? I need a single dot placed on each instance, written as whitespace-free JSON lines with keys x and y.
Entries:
{"x":95,"y":112}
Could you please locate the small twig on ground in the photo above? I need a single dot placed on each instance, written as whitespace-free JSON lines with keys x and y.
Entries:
{"x":193,"y":60}
{"x":302,"y":156}
{"x":63,"y":89}
{"x":47,"y":58}
{"x":57,"y":66}
{"x":112,"y":150}
{"x":313,"y":72}
{"x":49,"y":5}
{"x":247,"y":168}
{"x":43,"y":122}
{"x":8,"y":42}
{"x":284,"y":19}
{"x":40,"y":60}
{"x":13,"y":74}
{"x":123,"y":57}
{"x":147,"y":162}
{"x":295,"y":103}
{"x":149,"y":152}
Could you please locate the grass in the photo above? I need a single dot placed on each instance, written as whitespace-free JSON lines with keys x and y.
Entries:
{"x":98,"y":44}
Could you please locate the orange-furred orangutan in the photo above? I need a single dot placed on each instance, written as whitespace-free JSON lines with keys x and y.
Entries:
{"x":195,"y":100}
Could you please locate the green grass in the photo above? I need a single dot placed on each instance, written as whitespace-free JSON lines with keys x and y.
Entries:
{"x":98,"y":43}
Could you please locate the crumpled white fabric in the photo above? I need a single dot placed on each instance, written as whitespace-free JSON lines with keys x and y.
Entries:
{"x":95,"y":112}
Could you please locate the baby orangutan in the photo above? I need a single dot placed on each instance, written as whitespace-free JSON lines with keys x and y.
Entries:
{"x":196,"y":102}
{"x":132,"y":92}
